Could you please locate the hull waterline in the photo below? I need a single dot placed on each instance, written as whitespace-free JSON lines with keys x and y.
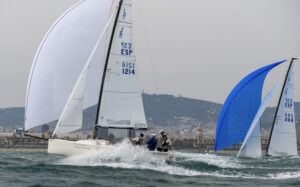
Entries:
{"x":84,"y":147}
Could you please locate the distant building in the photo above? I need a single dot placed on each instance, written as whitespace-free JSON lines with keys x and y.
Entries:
{"x":4,"y":134}
{"x":19,"y":131}
{"x":199,"y":134}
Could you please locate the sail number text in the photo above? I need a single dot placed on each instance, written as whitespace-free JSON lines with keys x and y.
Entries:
{"x":128,"y":68}
{"x":288,"y":103}
{"x":126,"y":48}
{"x":288,"y":117}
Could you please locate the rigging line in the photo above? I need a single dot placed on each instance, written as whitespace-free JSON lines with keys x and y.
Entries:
{"x":148,"y":47}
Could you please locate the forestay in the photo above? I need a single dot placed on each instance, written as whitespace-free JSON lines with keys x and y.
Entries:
{"x":121,"y":103}
{"x":60,"y":59}
{"x":240,"y":108}
{"x":251,"y":146}
{"x":283,"y":140}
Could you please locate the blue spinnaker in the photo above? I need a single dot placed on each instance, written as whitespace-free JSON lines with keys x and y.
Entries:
{"x":240,"y":108}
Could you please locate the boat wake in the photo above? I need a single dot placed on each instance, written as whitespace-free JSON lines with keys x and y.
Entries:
{"x":127,"y":156}
{"x":209,"y":159}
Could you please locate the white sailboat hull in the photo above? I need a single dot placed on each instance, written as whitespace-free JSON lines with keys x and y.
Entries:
{"x":76,"y":148}
{"x":83,"y":147}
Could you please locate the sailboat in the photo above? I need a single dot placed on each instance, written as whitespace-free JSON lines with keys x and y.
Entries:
{"x":283,"y":139}
{"x":120,"y":104}
{"x":239,"y":120}
{"x":251,"y":146}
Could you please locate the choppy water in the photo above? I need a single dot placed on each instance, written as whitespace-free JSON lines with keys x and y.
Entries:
{"x":129,"y":166}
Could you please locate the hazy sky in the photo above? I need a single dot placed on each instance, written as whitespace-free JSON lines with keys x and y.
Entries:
{"x":195,"y":48}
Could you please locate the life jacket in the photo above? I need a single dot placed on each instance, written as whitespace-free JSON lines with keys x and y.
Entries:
{"x":165,"y":144}
{"x":140,"y":141}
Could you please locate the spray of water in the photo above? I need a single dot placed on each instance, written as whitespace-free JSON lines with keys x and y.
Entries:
{"x":125,"y":155}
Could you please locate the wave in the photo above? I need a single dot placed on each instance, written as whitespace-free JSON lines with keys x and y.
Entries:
{"x":211,"y":159}
{"x":285,"y":175}
{"x":127,"y":156}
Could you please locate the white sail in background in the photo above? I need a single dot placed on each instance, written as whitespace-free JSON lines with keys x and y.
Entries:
{"x":251,"y":146}
{"x":71,"y":117}
{"x":121,"y":104}
{"x":60,"y":59}
{"x":283,"y":139}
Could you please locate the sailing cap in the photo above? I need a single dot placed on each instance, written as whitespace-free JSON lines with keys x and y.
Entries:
{"x":153,"y":134}
{"x":161,"y":130}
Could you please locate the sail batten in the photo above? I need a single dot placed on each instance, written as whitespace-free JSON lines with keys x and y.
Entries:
{"x":240,"y":108}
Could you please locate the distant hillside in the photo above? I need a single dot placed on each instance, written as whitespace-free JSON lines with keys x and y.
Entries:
{"x":160,"y":110}
{"x":12,"y":117}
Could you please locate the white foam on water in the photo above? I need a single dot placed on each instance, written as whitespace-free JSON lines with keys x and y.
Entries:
{"x":285,"y":175}
{"x":127,"y":156}
{"x":122,"y":152}
{"x":211,"y":159}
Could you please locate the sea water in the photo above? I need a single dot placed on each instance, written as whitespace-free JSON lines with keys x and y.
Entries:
{"x":127,"y":165}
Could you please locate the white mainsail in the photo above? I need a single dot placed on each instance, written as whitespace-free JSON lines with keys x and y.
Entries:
{"x":60,"y":59}
{"x":283,"y":139}
{"x":251,"y":146}
{"x":71,"y":117}
{"x":121,"y":103}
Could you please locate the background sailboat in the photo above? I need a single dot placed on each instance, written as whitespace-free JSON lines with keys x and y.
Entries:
{"x":240,"y":108}
{"x":283,"y":140}
{"x":251,"y":146}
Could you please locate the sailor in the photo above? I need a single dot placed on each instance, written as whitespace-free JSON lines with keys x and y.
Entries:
{"x":152,"y":142}
{"x":161,"y":140}
{"x":167,"y":144}
{"x":139,"y":140}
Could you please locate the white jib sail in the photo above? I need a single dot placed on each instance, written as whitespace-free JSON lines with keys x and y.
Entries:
{"x":60,"y":59}
{"x":284,"y":141}
{"x":251,"y":146}
{"x":71,"y":117}
{"x":121,"y":105}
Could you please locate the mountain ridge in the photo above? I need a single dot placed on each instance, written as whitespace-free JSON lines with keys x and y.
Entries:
{"x":161,"y":110}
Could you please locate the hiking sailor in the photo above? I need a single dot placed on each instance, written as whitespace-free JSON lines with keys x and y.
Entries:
{"x":160,"y":139}
{"x":167,"y":144}
{"x":139,"y":140}
{"x":152,"y":142}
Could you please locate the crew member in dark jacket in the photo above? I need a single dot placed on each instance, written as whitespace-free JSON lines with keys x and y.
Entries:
{"x":152,"y":143}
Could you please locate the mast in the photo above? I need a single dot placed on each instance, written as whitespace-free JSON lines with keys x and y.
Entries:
{"x":279,"y":101}
{"x":105,"y":68}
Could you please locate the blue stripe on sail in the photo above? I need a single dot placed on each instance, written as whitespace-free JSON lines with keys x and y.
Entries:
{"x":240,"y":108}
